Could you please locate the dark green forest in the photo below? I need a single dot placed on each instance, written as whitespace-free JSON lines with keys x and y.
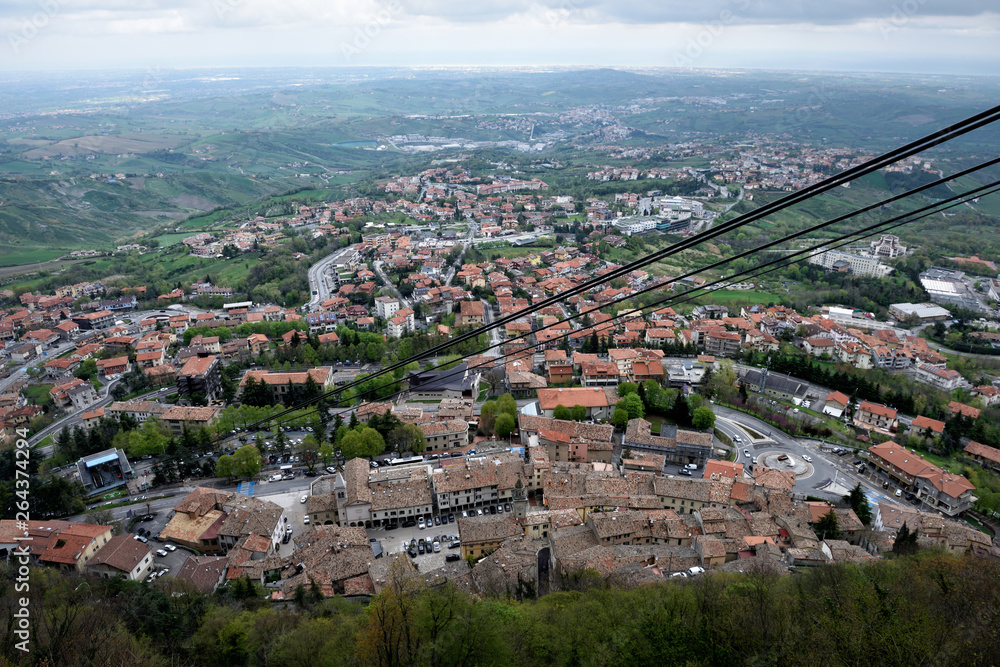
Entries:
{"x":927,"y":609}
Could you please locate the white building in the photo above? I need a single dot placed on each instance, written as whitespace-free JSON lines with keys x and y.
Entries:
{"x":860,"y":265}
{"x":630,"y":226}
{"x":386,"y":307}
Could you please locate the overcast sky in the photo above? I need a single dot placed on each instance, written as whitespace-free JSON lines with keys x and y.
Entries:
{"x":925,"y":36}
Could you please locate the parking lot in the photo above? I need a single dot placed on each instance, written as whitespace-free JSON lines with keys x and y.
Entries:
{"x":394,"y":541}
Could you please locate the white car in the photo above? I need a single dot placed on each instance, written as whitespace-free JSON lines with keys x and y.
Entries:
{"x":806,"y":457}
{"x":746,"y":452}
{"x":161,"y":553}
{"x":305,"y":520}
{"x":169,"y":547}
{"x":303,"y":499}
{"x":420,"y":523}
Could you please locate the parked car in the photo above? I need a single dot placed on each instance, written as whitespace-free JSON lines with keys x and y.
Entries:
{"x":409,"y":523}
{"x":451,"y":518}
{"x":303,"y":499}
{"x":899,"y":493}
{"x":696,"y":570}
{"x":685,"y":471}
{"x":305,"y":520}
{"x":437,"y":521}
{"x":693,"y":466}
{"x":452,"y":558}
{"x":170,"y":547}
{"x":420,"y":523}
{"x":499,"y":509}
{"x":455,"y":544}
{"x":437,"y":546}
{"x":506,"y":506}
{"x":412,"y":552}
{"x":161,"y":552}
{"x":783,"y":457}
{"x":420,"y":548}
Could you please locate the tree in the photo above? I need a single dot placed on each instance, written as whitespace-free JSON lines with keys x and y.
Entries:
{"x":620,"y":417}
{"x":507,"y":404}
{"x":407,"y":438}
{"x":634,"y":406}
{"x":487,"y":415}
{"x":504,"y":425}
{"x":906,"y":541}
{"x":703,"y":418}
{"x":308,"y":450}
{"x":827,"y":526}
{"x":225,"y":467}
{"x":363,"y":443}
{"x":626,"y":388}
{"x":246,"y":461}
{"x":859,"y":503}
{"x":579,"y":413}
{"x":562,"y":412}
{"x":680,"y":413}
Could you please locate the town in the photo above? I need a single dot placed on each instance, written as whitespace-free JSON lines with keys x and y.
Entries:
{"x":604,"y":433}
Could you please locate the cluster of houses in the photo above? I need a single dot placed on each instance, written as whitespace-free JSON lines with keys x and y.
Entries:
{"x":568,"y":514}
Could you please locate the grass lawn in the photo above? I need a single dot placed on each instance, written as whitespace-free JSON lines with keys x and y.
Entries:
{"x":942,"y":462}
{"x":38,"y":393}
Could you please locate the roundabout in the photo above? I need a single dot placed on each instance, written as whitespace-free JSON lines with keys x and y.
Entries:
{"x":786,"y":461}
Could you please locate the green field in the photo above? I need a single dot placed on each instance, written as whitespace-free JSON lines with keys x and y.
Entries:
{"x":732,"y":298}
{"x":12,"y":256}
{"x":170,"y":239}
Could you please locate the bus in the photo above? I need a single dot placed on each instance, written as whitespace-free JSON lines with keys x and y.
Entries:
{"x":406,"y":461}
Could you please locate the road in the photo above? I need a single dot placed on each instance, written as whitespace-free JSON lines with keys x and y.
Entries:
{"x":826,"y":472}
{"x":21,"y":373}
{"x":318,"y":283}
{"x":494,"y":333}
{"x":392,"y":286}
{"x":74,"y":418}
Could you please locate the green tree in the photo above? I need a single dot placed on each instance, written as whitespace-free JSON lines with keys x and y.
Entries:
{"x":225,"y":467}
{"x":507,"y":404}
{"x":579,"y":413}
{"x":906,"y":541}
{"x":680,"y":413}
{"x":363,"y":443}
{"x":626,"y":388}
{"x":859,"y":503}
{"x":620,"y":417}
{"x":562,"y":412}
{"x":504,"y":425}
{"x":828,"y":527}
{"x":634,"y":407}
{"x":407,"y":438}
{"x":703,"y":418}
{"x":487,"y":415}
{"x":247,"y":461}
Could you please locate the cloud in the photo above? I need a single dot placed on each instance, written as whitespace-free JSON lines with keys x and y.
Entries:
{"x":828,"y":12}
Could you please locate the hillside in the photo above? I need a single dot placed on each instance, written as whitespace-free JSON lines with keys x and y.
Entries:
{"x":931,"y":609}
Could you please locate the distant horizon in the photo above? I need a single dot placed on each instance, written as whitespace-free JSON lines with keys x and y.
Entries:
{"x":886,"y":36}
{"x":511,"y":67}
